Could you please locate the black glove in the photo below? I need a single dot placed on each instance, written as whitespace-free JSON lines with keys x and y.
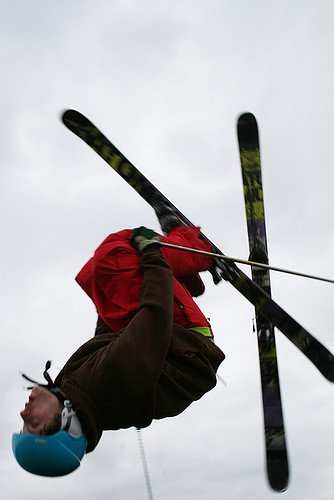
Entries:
{"x":167,"y":218}
{"x":143,"y":237}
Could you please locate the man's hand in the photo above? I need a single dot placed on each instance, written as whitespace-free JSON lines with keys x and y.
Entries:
{"x":142,"y":237}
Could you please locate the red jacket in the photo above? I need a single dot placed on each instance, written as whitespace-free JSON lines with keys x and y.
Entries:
{"x":151,"y":369}
{"x":112,"y":277}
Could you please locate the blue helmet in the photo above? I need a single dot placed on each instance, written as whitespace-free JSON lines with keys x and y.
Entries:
{"x":54,"y":455}
{"x":57,"y":454}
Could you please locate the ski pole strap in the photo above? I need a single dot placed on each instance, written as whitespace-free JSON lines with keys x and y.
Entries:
{"x":204,"y":330}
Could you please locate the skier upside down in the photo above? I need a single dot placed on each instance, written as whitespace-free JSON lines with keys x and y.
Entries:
{"x":152,"y":354}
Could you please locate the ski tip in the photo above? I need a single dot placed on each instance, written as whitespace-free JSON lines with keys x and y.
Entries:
{"x":74,"y":120}
{"x":278,"y":472}
{"x":246,"y":118}
{"x":248,"y":134}
{"x":71,"y":115}
{"x":280,"y":486}
{"x":328,"y":371}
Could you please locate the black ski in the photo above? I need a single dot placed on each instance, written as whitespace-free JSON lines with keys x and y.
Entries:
{"x":311,"y":347}
{"x":276,"y":451}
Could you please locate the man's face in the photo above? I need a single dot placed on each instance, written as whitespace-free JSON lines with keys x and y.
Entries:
{"x":40,"y":410}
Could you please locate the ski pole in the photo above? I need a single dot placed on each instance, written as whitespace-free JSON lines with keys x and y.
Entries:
{"x":243,"y":261}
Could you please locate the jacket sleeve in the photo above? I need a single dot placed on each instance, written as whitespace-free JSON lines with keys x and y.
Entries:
{"x":135,"y":361}
{"x":186,"y":263}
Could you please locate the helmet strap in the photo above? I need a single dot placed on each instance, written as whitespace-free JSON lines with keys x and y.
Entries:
{"x":69,"y":420}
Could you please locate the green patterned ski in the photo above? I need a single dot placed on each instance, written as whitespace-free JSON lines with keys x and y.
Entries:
{"x":312,"y":348}
{"x":275,"y":443}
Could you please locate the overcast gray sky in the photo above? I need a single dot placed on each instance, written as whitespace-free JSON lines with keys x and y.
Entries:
{"x":166,"y":81}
